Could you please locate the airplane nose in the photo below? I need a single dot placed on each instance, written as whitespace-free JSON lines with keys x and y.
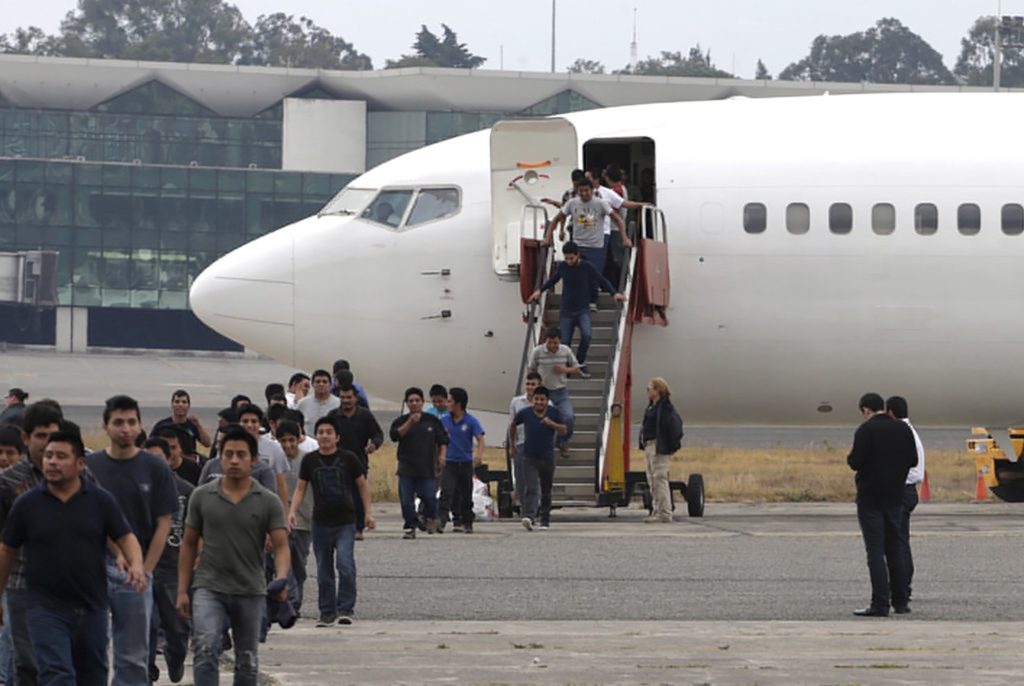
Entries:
{"x":248,"y":295}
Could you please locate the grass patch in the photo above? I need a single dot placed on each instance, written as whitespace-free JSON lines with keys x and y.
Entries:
{"x":877,"y":665}
{"x":528,"y":646}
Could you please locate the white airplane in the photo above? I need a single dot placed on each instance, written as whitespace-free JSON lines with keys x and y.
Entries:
{"x":820,"y":248}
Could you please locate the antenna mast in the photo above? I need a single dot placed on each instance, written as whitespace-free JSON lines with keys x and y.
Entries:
{"x":632,"y":46}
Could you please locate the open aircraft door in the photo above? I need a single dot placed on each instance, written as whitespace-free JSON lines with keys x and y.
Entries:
{"x":530,"y":160}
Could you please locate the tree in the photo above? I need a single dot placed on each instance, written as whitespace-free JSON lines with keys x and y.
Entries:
{"x":974,"y":66}
{"x":432,"y":51}
{"x":761,"y":73}
{"x":696,"y":63}
{"x":888,"y":52}
{"x":30,"y":41}
{"x":278,"y":40}
{"x":583,"y":66}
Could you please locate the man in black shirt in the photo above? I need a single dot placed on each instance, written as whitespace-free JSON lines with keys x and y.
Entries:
{"x":883,"y":452}
{"x":176,"y":460}
{"x":359,"y":433}
{"x":181,"y":403}
{"x":338,"y":479}
{"x":64,"y":523}
{"x":422,"y":441}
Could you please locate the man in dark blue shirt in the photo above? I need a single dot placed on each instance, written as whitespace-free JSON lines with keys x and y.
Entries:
{"x":64,"y":524}
{"x":579,"y":280}
{"x":540,"y":423}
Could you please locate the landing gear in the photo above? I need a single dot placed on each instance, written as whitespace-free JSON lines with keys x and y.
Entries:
{"x":694,"y":494}
{"x":692,"y":491}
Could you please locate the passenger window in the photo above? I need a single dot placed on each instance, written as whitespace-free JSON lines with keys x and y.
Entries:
{"x":798,"y":218}
{"x":968,"y":219}
{"x":883,"y":219}
{"x":840,"y":218}
{"x":388,"y":208}
{"x":433,"y":203}
{"x":926,"y":219}
{"x":755,"y":217}
{"x":1013,"y":219}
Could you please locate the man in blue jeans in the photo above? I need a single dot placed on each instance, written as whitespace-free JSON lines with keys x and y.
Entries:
{"x":143,"y":486}
{"x":555,"y":362}
{"x":234,"y":516}
{"x":579,"y":278}
{"x":333,"y":474}
{"x":540,"y":423}
{"x":422,"y":443}
{"x":64,"y":524}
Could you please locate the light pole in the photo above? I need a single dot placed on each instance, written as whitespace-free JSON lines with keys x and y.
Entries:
{"x":553,"y":36}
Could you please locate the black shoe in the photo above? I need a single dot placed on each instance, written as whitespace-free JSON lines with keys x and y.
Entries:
{"x":468,"y":528}
{"x":175,"y":672}
{"x":871,"y":612}
{"x":901,"y":609}
{"x":154,"y":674}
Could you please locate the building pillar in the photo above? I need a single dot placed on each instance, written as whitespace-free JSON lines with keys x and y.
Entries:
{"x":72,"y":329}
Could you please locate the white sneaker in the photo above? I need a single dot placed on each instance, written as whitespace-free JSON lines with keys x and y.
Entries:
{"x":527,"y":523}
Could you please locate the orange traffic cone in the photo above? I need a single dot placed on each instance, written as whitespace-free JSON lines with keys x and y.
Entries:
{"x":981,"y":492}
{"x":925,"y":493}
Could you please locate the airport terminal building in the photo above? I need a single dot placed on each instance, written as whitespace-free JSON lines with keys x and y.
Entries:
{"x":139,"y":174}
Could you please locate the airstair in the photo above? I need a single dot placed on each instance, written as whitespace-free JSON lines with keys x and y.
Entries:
{"x":596,"y":470}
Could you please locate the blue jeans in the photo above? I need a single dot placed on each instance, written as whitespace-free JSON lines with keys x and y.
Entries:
{"x":568,"y":322}
{"x":559,"y":397}
{"x":408,"y":488}
{"x":212,"y":614}
{"x":18,"y":602}
{"x":298,"y":545}
{"x":885,"y":547}
{"x":165,"y":616}
{"x":6,"y":649}
{"x":70,"y":645}
{"x":596,"y":257}
{"x":334,"y":547}
{"x":131,"y":613}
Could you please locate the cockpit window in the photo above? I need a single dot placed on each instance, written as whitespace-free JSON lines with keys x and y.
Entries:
{"x":434,"y":203}
{"x":388,"y":208}
{"x":348,"y":201}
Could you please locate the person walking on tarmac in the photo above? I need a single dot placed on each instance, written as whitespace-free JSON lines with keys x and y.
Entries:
{"x":661,"y":436}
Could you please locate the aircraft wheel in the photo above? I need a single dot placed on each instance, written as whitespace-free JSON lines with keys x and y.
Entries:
{"x":695,"y":495}
{"x":505,"y":507}
{"x":648,"y":501}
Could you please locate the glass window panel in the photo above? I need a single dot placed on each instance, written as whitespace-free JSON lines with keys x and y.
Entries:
{"x":92,"y":238}
{"x":883,"y":219}
{"x":202,"y":179}
{"x":260,"y":182}
{"x":231,"y":181}
{"x":755,"y":217}
{"x":86,"y":266}
{"x":968,"y":219}
{"x":840,"y":218}
{"x":144,"y":269}
{"x":1013,"y":219}
{"x":173,"y":179}
{"x":287,"y":182}
{"x":388,"y":208}
{"x":434,"y":203}
{"x":174,"y":271}
{"x":173,"y":300}
{"x":31,"y":172}
{"x":56,"y":236}
{"x":116,"y":297}
{"x":57,"y":172}
{"x":202,"y":241}
{"x":117,"y":175}
{"x":116,"y":269}
{"x":316,"y":184}
{"x":147,"y":177}
{"x":229,"y":241}
{"x":146,"y":239}
{"x":86,"y":296}
{"x":926,"y":219}
{"x":254,"y":213}
{"x":145,"y":298}
{"x":8,"y":236}
{"x":798,"y":218}
{"x":173,"y":241}
{"x":89,"y":174}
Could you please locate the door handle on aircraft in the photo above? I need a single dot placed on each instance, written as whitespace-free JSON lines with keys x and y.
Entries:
{"x":440,"y":272}
{"x":444,"y":314}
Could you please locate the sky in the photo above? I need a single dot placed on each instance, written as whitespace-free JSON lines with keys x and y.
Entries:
{"x":516,"y":35}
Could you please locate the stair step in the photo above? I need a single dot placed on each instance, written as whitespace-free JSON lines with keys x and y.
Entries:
{"x":582,"y":501}
{"x":580,"y":474}
{"x":572,"y":490}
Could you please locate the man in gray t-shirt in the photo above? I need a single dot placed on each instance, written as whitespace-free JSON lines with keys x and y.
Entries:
{"x":233,"y":515}
{"x":554,"y":362}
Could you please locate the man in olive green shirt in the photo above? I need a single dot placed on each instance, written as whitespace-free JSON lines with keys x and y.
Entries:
{"x":233,"y":515}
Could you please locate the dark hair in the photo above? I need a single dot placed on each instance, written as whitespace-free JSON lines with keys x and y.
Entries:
{"x":344,"y":377}
{"x":871,"y":401}
{"x":275,"y":412}
{"x":614,"y":173}
{"x":165,"y":448}
{"x":297,"y":377}
{"x":583,"y":181}
{"x":72,"y":439}
{"x":68,"y":425}
{"x":120,"y":403}
{"x":229,"y":415}
{"x":347,"y":388}
{"x":239,"y":400}
{"x":534,"y":376}
{"x":39,"y":414}
{"x":21,"y":395}
{"x":167,"y":432}
{"x":577,"y":175}
{"x":321,"y":372}
{"x":250,"y":409}
{"x":182,"y":393}
{"x":438,"y":389}
{"x":271,"y":389}
{"x":413,"y":390}
{"x":50,"y":402}
{"x":542,"y":390}
{"x":294,"y":416}
{"x":11,"y":435}
{"x":898,"y":406}
{"x":553,"y":332}
{"x":326,"y":420}
{"x":287,"y":427}
{"x":237,"y":433}
{"x":570,"y":248}
{"x":460,"y":396}
{"x":340,"y":365}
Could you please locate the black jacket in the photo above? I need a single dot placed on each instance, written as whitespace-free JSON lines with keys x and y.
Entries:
{"x":882,"y":454}
{"x":668,"y":426}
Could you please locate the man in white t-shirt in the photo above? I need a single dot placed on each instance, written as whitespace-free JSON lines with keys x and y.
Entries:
{"x":896,"y":406}
{"x":320,"y":402}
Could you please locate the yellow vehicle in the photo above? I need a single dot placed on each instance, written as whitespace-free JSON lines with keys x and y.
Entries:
{"x":1002,"y":474}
